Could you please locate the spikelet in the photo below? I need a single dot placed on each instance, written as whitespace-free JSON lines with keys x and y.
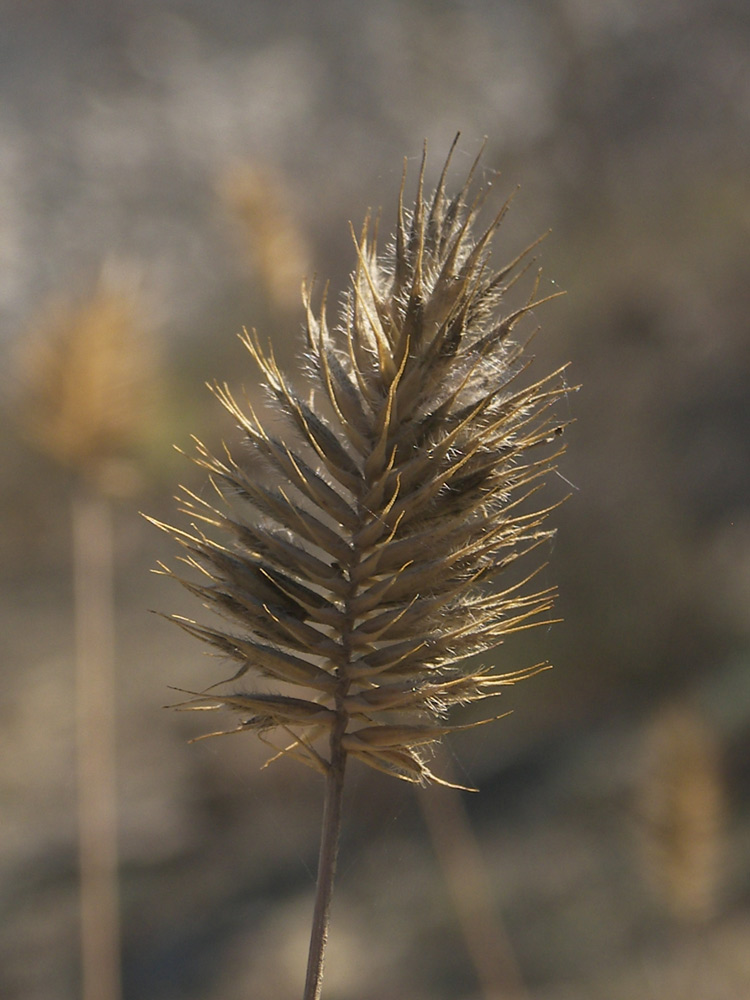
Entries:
{"x":356,"y":553}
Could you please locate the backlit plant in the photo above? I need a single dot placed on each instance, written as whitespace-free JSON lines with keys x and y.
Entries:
{"x":358,"y":552}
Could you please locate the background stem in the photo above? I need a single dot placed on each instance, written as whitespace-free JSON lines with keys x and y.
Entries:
{"x":95,"y":737}
{"x":469,"y":882}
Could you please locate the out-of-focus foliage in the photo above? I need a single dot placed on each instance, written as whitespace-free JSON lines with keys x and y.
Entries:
{"x":86,"y":385}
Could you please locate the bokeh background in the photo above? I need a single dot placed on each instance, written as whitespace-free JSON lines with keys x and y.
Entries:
{"x":198,"y":158}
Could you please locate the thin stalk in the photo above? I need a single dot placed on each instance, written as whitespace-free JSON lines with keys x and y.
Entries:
{"x":329,"y":847}
{"x":95,"y":737}
{"x":466,"y":876}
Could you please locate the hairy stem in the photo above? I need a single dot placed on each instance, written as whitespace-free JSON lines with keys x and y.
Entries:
{"x":329,"y":846}
{"x":332,"y":809}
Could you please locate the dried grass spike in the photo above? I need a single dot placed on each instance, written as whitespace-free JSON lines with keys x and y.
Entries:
{"x":395,"y":497}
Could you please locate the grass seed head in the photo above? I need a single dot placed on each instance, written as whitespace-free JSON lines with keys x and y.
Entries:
{"x":87,"y":377}
{"x":355,"y":554}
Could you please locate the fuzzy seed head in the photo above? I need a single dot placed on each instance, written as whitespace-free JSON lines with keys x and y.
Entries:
{"x":87,"y":378}
{"x":356,"y":556}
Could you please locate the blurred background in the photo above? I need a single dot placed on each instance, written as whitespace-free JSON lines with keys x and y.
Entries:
{"x":169,"y":171}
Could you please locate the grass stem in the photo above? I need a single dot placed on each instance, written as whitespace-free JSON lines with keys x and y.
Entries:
{"x":95,"y":735}
{"x":329,"y":847}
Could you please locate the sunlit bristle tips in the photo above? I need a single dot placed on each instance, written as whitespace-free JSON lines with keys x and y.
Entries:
{"x":359,"y":552}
